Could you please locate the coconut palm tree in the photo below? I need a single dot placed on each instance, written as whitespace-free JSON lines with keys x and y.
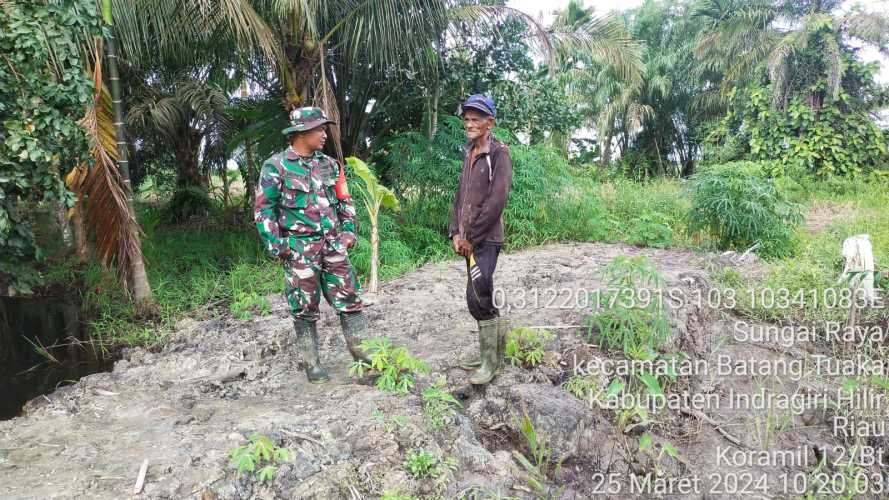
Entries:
{"x":604,"y":89}
{"x":104,"y":199}
{"x":104,"y":191}
{"x":292,"y":37}
{"x":798,"y":42}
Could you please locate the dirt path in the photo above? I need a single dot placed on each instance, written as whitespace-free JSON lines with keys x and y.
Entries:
{"x":220,"y":380}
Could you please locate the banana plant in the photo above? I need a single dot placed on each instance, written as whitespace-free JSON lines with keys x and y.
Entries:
{"x":375,"y":196}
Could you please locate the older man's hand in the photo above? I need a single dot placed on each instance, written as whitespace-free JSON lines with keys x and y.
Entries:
{"x":457,"y":245}
{"x":465,"y":248}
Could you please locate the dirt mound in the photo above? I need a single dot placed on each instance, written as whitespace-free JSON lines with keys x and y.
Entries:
{"x":219,"y":381}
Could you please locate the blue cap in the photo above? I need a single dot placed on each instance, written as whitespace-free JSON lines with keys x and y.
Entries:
{"x":481,"y":103}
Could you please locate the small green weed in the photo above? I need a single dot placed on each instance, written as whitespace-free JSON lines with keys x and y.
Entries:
{"x":394,"y":422}
{"x":395,"y":364}
{"x":260,"y":452}
{"x":648,"y":447}
{"x":524,"y":346}
{"x":438,"y":404}
{"x":423,"y":464}
{"x":246,"y":304}
{"x":540,"y":465}
{"x":583,"y":387}
{"x":420,"y":463}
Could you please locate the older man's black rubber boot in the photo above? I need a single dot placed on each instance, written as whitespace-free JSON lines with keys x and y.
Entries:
{"x":354,"y":325}
{"x":307,"y":339}
{"x":488,"y":346}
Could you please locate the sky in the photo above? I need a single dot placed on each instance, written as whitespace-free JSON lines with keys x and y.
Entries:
{"x":534,"y":8}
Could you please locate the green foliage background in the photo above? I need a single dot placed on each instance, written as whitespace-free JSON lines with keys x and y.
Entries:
{"x":44,"y":90}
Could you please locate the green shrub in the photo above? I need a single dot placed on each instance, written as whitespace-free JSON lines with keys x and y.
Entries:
{"x":650,"y":230}
{"x":632,"y":317}
{"x":186,"y":203}
{"x":740,"y":207}
{"x":839,"y":138}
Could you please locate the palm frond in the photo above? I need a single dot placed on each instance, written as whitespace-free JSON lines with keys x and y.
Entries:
{"x":542,"y":41}
{"x":872,"y":28}
{"x":100,"y":189}
{"x":180,"y":30}
{"x":778,"y":68}
{"x":389,"y":32}
{"x":326,"y":100}
{"x":605,"y":40}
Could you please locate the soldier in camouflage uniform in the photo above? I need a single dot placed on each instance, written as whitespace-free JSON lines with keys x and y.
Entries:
{"x":310,"y":228}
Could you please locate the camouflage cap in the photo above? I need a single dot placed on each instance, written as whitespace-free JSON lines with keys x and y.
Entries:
{"x":302,"y":119}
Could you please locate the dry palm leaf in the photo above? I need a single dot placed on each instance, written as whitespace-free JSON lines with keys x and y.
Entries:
{"x":100,"y":188}
{"x":326,"y":100}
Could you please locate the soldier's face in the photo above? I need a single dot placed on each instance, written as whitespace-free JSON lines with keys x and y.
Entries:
{"x":476,"y":124}
{"x":314,"y":139}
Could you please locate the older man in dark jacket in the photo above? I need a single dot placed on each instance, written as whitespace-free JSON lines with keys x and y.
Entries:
{"x":476,"y":227}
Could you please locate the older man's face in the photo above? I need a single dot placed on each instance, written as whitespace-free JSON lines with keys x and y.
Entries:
{"x":476,"y":124}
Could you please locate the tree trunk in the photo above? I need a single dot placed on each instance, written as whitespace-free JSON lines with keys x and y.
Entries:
{"x":139,"y":286}
{"x":80,"y":233}
{"x":67,"y":237}
{"x":226,"y":185}
{"x":188,"y":174}
{"x":660,"y":161}
{"x":299,"y":71}
{"x":373,"y":286}
{"x":250,"y":177}
{"x":605,"y":157}
{"x":432,"y":110}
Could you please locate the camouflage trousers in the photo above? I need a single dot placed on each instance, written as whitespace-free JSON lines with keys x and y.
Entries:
{"x":320,"y":268}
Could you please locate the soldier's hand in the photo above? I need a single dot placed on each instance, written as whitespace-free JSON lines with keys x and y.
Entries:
{"x":285,"y":253}
{"x":348,"y":239}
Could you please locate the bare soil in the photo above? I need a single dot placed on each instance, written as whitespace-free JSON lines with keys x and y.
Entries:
{"x":220,"y":380}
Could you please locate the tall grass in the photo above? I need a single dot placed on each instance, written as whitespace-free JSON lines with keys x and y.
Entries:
{"x":818,"y":263}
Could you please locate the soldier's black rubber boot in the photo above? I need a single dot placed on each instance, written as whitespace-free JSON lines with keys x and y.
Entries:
{"x":488,"y":341}
{"x":502,"y":328}
{"x":354,"y":324}
{"x":307,"y":339}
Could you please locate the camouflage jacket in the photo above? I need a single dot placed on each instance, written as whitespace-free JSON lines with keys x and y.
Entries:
{"x":296,"y":203}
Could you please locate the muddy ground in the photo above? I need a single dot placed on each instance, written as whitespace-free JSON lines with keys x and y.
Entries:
{"x":219,"y":380}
